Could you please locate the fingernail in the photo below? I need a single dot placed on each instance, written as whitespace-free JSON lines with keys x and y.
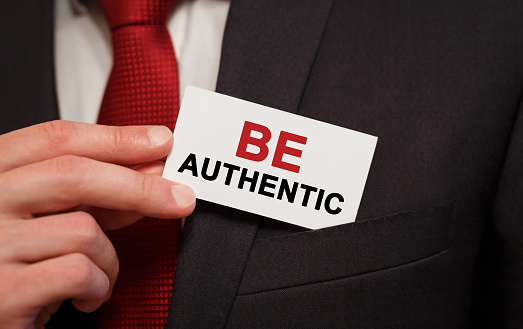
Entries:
{"x":183,"y":195}
{"x":159,"y":135}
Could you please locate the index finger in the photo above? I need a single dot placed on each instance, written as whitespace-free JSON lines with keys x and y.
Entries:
{"x":69,"y":181}
{"x":120,"y":145}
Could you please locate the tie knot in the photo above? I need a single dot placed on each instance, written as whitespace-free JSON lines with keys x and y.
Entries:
{"x":136,"y":12}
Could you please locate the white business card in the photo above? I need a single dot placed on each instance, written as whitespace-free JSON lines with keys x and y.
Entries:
{"x":269,"y":162}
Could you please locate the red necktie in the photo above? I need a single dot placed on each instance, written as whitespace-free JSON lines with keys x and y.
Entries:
{"x":142,"y":89}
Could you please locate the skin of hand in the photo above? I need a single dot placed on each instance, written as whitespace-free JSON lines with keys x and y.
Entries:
{"x":61,"y":186}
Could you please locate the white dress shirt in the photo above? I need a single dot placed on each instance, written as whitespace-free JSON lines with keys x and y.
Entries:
{"x":83,"y":51}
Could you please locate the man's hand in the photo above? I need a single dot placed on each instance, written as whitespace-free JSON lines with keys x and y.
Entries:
{"x":60,"y":187}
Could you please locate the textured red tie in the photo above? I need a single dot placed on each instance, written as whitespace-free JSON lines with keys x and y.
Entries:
{"x":142,"y":89}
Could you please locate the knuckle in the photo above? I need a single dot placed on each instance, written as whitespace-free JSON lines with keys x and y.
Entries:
{"x":68,"y":164}
{"x":147,"y":184}
{"x":86,"y":228}
{"x":117,"y":136}
{"x":120,"y":137}
{"x":58,"y":132}
{"x":82,"y":270}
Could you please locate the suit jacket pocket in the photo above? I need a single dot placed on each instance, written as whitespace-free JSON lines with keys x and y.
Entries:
{"x":347,"y":250}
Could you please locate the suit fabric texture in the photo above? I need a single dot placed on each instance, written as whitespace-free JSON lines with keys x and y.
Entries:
{"x":438,"y":241}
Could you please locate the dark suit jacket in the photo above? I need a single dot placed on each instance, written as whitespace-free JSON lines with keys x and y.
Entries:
{"x":438,"y":242}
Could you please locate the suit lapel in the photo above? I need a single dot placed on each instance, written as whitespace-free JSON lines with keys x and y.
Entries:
{"x":268,"y":50}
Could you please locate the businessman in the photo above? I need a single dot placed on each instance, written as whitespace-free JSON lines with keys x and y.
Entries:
{"x":438,"y":241}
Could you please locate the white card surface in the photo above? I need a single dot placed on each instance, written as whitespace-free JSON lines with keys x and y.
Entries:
{"x":269,"y":162}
